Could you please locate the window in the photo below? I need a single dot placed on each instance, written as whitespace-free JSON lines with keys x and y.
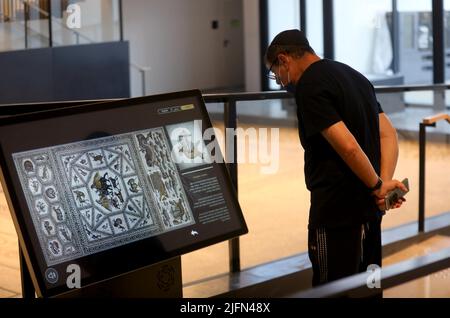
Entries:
{"x":415,"y":41}
{"x":363,"y":37}
{"x":25,"y":24}
{"x":282,"y":15}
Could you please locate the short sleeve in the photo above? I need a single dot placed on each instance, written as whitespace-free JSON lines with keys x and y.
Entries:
{"x":317,"y":109}
{"x":379,"y":108}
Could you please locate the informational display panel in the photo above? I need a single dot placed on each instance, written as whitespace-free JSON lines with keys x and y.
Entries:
{"x":101,"y":190}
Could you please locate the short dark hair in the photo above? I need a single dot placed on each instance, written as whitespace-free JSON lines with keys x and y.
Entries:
{"x":291,"y":42}
{"x":293,"y":50}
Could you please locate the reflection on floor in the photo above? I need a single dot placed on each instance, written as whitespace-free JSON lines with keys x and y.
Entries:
{"x":436,"y":285}
{"x":276,"y":211}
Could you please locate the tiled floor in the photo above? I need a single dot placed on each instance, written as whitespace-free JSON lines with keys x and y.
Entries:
{"x":276,"y":211}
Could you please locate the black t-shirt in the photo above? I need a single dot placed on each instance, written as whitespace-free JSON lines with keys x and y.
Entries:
{"x":329,"y":92}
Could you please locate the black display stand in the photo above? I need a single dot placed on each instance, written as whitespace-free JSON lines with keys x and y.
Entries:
{"x":161,"y":280}
{"x":150,"y":113}
{"x":28,"y":291}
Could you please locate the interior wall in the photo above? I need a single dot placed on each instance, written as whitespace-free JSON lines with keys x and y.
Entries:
{"x":176,"y":41}
{"x":251,"y":46}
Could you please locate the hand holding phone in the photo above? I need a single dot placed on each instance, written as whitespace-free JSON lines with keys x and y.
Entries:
{"x":393,"y":196}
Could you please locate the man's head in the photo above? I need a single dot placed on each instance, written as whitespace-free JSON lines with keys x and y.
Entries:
{"x":288,"y":56}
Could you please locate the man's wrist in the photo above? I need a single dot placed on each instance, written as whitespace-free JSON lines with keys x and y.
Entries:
{"x":377,"y":186}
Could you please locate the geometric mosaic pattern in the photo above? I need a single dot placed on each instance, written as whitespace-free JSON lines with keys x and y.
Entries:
{"x":95,"y":195}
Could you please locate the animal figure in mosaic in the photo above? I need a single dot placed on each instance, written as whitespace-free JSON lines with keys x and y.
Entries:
{"x":80,"y":196}
{"x":97,"y":158}
{"x":147,"y":149}
{"x":108,"y":190}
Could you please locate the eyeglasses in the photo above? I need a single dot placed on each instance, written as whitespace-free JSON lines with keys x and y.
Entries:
{"x":270,"y":74}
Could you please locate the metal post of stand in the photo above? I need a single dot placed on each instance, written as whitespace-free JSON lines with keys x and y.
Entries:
{"x":28,"y":291}
{"x":120,"y":21}
{"x":26,"y":17}
{"x":422,"y":141}
{"x":50,"y":26}
{"x":230,"y":116}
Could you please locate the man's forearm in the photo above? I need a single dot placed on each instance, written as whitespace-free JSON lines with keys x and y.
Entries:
{"x":346,"y":146}
{"x":361,"y":166}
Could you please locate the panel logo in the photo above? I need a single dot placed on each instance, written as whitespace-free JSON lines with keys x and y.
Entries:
{"x":73,"y":16}
{"x":51,"y":275}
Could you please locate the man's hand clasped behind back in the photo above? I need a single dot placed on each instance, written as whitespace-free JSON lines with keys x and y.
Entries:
{"x":386,"y":187}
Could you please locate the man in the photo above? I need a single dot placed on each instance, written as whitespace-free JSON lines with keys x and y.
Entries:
{"x":351,"y":153}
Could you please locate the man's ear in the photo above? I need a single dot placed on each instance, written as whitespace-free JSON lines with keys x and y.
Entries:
{"x":283,"y":58}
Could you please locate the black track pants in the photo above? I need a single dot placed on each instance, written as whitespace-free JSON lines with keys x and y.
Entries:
{"x":339,"y":252}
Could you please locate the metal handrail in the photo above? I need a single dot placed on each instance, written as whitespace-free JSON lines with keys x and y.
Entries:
{"x":391,"y":276}
{"x":268,"y":95}
{"x":426,"y":122}
{"x":143,"y":71}
{"x":435,"y":118}
{"x":240,"y":97}
{"x":410,"y":88}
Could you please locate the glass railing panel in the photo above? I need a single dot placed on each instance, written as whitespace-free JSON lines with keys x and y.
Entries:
{"x":25,"y":24}
{"x":407,"y":122}
{"x":12,"y":26}
{"x":99,"y":21}
{"x":272,"y":191}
